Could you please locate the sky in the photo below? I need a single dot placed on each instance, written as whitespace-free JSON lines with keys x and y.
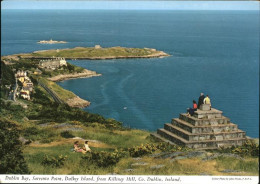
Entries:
{"x":131,"y":5}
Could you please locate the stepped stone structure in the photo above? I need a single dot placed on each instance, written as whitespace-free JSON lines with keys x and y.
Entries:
{"x":206,"y":129}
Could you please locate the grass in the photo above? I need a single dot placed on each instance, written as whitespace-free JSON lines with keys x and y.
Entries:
{"x":63,"y":94}
{"x":76,"y":165}
{"x":35,"y":152}
{"x":120,"y":139}
{"x":247,"y":165}
{"x":108,"y":140}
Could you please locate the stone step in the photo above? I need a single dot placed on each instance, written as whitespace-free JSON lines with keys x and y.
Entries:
{"x":201,"y":122}
{"x":203,"y":136}
{"x":157,"y":136}
{"x":209,"y":114}
{"x":203,"y":129}
{"x":172,"y":137}
{"x":202,"y":144}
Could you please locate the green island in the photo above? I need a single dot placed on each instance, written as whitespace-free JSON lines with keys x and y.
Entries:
{"x":95,"y":53}
{"x":39,"y":125}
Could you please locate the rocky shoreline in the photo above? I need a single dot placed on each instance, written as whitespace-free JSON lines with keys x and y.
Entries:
{"x":78,"y":102}
{"x":85,"y":74}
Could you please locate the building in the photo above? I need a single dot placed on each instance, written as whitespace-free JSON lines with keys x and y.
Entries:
{"x":21,"y":73}
{"x":37,"y":72}
{"x":28,"y":85}
{"x":52,"y":63}
{"x":25,"y":93}
{"x":98,"y":47}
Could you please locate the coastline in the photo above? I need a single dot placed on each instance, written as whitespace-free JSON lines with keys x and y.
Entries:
{"x":85,"y":74}
{"x":76,"y":101}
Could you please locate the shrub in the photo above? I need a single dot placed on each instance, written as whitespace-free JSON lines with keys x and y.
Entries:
{"x":31,"y":131}
{"x":11,"y":157}
{"x":54,"y":161}
{"x":103,"y":158}
{"x":46,"y":140}
{"x":66,"y":134}
{"x":141,"y":150}
{"x":249,"y":148}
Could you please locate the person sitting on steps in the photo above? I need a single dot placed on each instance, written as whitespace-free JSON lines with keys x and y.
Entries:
{"x":193,"y":109}
{"x":207,"y":101}
{"x":201,"y":98}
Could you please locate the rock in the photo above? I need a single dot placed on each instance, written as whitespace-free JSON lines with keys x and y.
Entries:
{"x":139,"y":164}
{"x":24,"y":141}
{"x":44,"y":124}
{"x":165,"y":155}
{"x":216,"y":155}
{"x":77,"y":138}
{"x":156,"y":155}
{"x":128,"y":170}
{"x":77,"y":102}
{"x":171,"y":155}
{"x":62,"y":125}
{"x":202,"y":154}
{"x":180,"y":157}
{"x":25,"y":119}
{"x":76,"y":129}
{"x":137,"y":158}
{"x":157,"y":166}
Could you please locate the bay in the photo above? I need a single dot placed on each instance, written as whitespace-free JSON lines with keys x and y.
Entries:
{"x":215,"y":52}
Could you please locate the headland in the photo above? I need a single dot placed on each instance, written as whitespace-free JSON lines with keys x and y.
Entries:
{"x":84,"y":74}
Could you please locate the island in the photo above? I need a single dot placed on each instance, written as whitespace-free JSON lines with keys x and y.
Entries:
{"x":50,"y":42}
{"x":95,"y":53}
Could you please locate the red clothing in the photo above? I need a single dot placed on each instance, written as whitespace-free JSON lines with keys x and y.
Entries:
{"x":195,"y":106}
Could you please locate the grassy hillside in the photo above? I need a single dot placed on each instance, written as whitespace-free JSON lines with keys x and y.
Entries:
{"x":63,"y":94}
{"x":106,"y":141}
{"x":48,"y":131}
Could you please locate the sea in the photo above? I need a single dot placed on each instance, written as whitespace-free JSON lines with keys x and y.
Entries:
{"x":214,"y":52}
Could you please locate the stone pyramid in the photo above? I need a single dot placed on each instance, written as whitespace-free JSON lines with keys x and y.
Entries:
{"x":206,"y":129}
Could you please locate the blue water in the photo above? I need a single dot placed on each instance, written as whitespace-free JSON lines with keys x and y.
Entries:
{"x":215,"y":52}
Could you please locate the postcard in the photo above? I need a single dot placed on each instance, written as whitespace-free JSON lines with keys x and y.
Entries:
{"x":129,"y":92}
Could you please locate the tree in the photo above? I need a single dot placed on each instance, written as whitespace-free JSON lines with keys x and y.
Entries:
{"x":11,"y":157}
